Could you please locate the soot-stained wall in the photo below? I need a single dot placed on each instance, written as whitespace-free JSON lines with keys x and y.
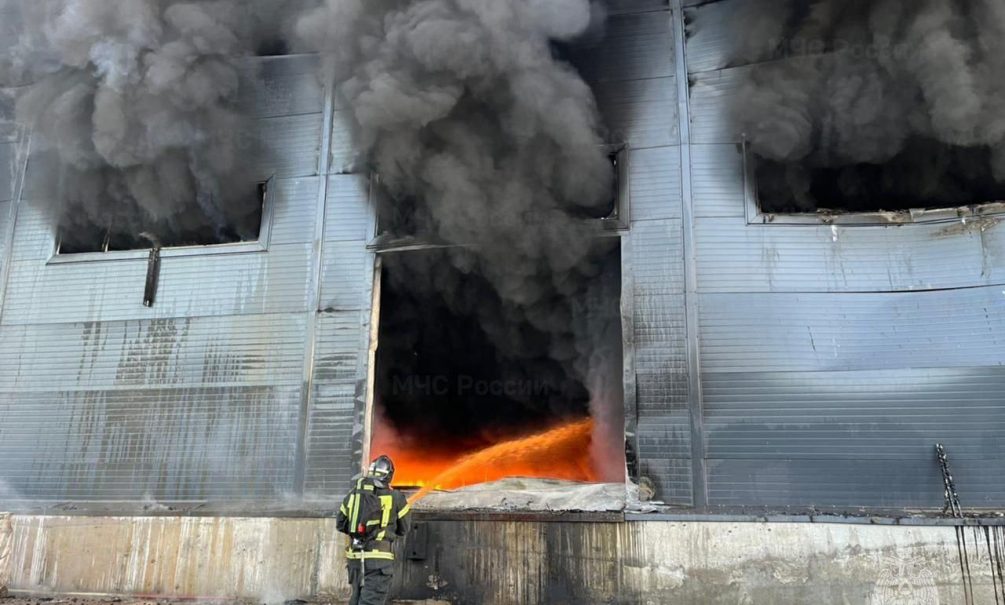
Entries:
{"x":766,"y":365}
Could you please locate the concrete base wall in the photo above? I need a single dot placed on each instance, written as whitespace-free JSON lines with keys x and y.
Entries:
{"x":495,"y":562}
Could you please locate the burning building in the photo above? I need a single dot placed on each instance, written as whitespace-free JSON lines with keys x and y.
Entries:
{"x":738,"y":258}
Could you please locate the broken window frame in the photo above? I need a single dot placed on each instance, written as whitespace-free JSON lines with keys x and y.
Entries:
{"x":259,"y":245}
{"x":615,"y":223}
{"x":756,"y":216}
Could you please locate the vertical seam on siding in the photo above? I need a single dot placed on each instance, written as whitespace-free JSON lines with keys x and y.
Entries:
{"x":314,"y":302}
{"x":699,"y":491}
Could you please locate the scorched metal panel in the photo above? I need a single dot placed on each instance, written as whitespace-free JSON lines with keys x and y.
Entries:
{"x":664,"y":438}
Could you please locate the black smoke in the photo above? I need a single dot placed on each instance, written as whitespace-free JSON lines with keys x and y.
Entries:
{"x":486,"y":141}
{"x":134,"y":110}
{"x":883,"y":104}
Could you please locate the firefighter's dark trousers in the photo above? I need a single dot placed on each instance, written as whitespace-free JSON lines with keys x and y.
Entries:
{"x":373,"y":589}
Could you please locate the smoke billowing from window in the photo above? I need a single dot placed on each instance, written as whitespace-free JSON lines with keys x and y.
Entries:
{"x":899,"y":99}
{"x":463,"y":110}
{"x":133,"y":106}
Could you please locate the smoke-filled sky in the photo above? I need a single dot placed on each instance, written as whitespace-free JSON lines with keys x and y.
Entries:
{"x":914,"y":83}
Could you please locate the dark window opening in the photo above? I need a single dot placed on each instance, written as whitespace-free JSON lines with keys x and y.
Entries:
{"x":461,"y":372}
{"x":272,"y":46}
{"x":192,"y":229}
{"x":926,"y":175}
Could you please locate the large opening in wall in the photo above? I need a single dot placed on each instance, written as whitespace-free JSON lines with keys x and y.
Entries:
{"x":926,"y":174}
{"x":463,"y":376}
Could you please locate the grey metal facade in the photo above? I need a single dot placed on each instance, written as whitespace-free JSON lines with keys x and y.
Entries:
{"x":767,"y":365}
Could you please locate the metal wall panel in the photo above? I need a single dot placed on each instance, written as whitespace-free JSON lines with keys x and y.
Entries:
{"x":664,"y":434}
{"x":196,"y":398}
{"x":338,"y":400}
{"x":834,"y":358}
{"x":344,"y":157}
{"x":854,"y":438}
{"x":347,"y":269}
{"x":226,"y":284}
{"x":717,"y":180}
{"x":619,"y":7}
{"x":283,"y":86}
{"x":334,"y":431}
{"x":182,"y":409}
{"x":8,"y":170}
{"x":633,"y":47}
{"x":291,"y":147}
{"x":642,"y":113}
{"x":654,"y":179}
{"x":167,"y":353}
{"x":861,"y":331}
{"x":735,"y":257}
{"x":712,"y":119}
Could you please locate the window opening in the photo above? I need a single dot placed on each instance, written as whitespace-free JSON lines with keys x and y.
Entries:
{"x":926,"y":175}
{"x":118,"y":236}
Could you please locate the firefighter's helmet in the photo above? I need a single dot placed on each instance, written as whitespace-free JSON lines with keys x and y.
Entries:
{"x":382,"y":470}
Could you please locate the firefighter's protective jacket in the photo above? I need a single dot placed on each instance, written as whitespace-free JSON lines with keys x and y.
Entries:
{"x":394,"y":524}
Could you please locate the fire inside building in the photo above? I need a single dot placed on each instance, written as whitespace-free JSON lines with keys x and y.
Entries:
{"x":649,"y":300}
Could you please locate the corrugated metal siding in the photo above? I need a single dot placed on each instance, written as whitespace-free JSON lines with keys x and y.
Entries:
{"x":810,"y":332}
{"x":735,"y":257}
{"x":654,"y":176}
{"x":337,"y":402}
{"x":826,"y":377}
{"x":717,"y":181}
{"x":339,"y":381}
{"x":171,"y":409}
{"x":826,"y":380}
{"x":198,"y":397}
{"x":712,"y":120}
{"x":618,"y":7}
{"x":633,"y":73}
{"x":8,"y":169}
{"x":633,"y":47}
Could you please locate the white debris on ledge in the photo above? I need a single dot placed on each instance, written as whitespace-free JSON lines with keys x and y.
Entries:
{"x":533,"y":495}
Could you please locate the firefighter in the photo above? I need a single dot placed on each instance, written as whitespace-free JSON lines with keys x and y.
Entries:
{"x":373,"y":515}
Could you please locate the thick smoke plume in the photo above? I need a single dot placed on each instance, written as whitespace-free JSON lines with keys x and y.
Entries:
{"x":894,"y":99}
{"x":134,"y":102}
{"x":484,"y":139}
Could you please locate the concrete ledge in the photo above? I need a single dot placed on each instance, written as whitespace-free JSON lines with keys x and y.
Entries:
{"x":271,"y":560}
{"x":517,"y":561}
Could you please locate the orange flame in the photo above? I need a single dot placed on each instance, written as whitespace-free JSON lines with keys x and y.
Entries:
{"x":560,"y":453}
